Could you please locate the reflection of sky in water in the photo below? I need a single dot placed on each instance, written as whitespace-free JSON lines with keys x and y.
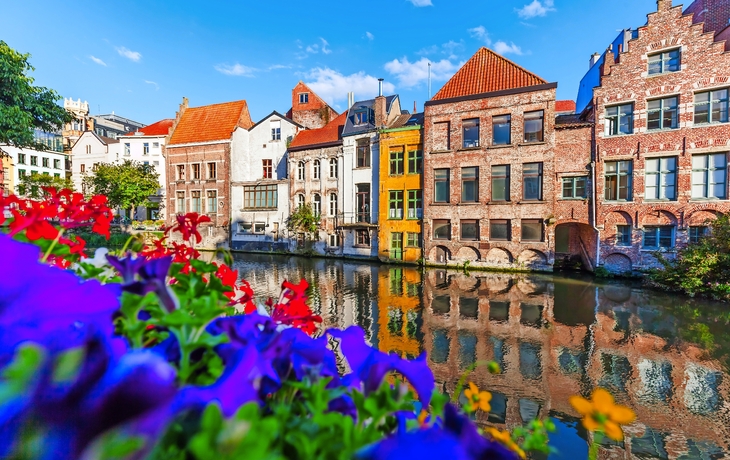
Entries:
{"x":700,"y":391}
{"x":467,"y":349}
{"x":656,"y":379}
{"x":440,"y":351}
{"x":571,"y":361}
{"x":530,"y":365}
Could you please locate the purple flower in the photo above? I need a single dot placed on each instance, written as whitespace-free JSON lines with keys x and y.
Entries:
{"x":142,"y":276}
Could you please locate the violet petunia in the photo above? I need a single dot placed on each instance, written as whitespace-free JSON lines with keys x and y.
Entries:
{"x":141,"y":276}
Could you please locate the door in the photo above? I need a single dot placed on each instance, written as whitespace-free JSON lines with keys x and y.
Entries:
{"x":562,"y":239}
{"x":396,"y":246}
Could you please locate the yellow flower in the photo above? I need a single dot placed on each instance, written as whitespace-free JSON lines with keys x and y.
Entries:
{"x":478,"y":399}
{"x":422,"y":417}
{"x":505,"y":438}
{"x":602,"y":413}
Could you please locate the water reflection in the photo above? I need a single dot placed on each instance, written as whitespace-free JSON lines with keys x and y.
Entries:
{"x":552,"y":336}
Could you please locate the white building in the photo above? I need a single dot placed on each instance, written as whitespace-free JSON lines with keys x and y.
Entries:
{"x":26,"y":161}
{"x":87,"y":152}
{"x":259,"y":184}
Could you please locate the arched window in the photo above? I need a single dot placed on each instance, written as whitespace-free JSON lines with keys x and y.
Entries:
{"x":333,"y":204}
{"x":333,"y":168}
{"x":300,"y":170}
{"x":300,"y":200}
{"x":317,"y":205}
{"x":317,"y":169}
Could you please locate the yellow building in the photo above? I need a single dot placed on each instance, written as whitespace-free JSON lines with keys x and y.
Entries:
{"x":399,"y":307}
{"x":7,"y":174}
{"x":401,"y":194}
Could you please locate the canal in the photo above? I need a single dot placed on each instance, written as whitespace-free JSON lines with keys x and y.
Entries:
{"x":663,"y":355}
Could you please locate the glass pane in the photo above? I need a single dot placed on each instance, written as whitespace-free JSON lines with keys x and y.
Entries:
{"x":441,"y":174}
{"x":650,"y":237}
{"x":469,"y":190}
{"x":499,"y":230}
{"x":580,"y":187}
{"x":471,"y":132}
{"x":441,"y":229}
{"x":652,"y":165}
{"x":717,"y":160}
{"x":441,"y":192}
{"x":568,"y":188}
{"x":499,"y":189}
{"x":532,"y":188}
{"x":531,"y":231}
{"x":501,"y":130}
{"x":469,"y":230}
{"x":469,"y":173}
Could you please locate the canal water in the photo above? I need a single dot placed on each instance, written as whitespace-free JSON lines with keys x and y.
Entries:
{"x":663,"y":355}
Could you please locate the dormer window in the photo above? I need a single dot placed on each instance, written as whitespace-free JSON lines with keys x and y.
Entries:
{"x":361,"y":117}
{"x":303,"y":98}
{"x":664,"y":62}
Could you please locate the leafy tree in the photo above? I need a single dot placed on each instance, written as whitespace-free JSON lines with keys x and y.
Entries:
{"x":304,"y":220}
{"x":127,"y":185}
{"x":31,"y":185}
{"x":24,"y":107}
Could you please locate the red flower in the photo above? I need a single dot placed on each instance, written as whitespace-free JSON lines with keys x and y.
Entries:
{"x":75,"y":212}
{"x":293,"y":310}
{"x":187,"y":225}
{"x":33,"y":217}
{"x":228,"y":277}
{"x":159,"y":249}
{"x":6,"y":202}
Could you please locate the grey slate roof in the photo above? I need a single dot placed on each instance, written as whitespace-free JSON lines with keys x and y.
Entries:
{"x":368,"y":107}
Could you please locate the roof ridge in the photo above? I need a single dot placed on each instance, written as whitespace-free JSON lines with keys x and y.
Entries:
{"x":220,"y":103}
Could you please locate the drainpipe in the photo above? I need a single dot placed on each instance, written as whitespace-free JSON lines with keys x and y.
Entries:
{"x":593,"y":205}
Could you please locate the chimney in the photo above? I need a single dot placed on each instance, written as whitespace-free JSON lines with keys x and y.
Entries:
{"x":350,"y":99}
{"x":663,"y":5}
{"x":380,"y":86}
{"x":594,"y":58}
{"x":380,"y":115}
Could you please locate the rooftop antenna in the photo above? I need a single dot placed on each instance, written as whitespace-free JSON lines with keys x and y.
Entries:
{"x":429,"y":80}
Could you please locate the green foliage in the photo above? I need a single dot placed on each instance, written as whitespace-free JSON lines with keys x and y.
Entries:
{"x":603,"y":272}
{"x":31,"y":185}
{"x":24,"y":107}
{"x":304,"y":220}
{"x":126,"y":185}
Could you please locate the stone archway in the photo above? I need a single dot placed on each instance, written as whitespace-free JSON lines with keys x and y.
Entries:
{"x":617,"y":263}
{"x":468,"y":253}
{"x":575,"y":245}
{"x":499,"y":256}
{"x":439,"y":254}
{"x":532,"y":258}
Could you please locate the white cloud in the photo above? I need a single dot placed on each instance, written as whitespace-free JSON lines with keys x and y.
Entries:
{"x":278,"y":66}
{"x":410,"y":74}
{"x":421,"y":2}
{"x":504,"y":48}
{"x":325,"y":50}
{"x":480,"y":33}
{"x":314,"y":48}
{"x":449,"y":49}
{"x":536,"y":8}
{"x":150,"y":82}
{"x":370,"y":36}
{"x":129,"y":54}
{"x":236,"y":69}
{"x":333,"y":86}
{"x":97,"y":60}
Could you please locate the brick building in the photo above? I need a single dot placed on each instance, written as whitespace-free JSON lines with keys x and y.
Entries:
{"x":198,"y":158}
{"x":308,"y":109}
{"x":660,"y":105}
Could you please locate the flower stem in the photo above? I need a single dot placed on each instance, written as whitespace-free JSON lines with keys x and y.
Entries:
{"x":53,"y":245}
{"x":593,"y":451}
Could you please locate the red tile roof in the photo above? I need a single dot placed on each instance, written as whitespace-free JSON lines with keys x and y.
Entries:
{"x":208,"y":123}
{"x":485,"y":72}
{"x":565,"y":106}
{"x":161,"y":128}
{"x":324,"y":135}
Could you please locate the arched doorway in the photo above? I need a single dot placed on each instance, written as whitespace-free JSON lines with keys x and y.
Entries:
{"x":575,"y":246}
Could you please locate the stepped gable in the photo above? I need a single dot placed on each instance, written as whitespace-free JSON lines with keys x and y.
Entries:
{"x":209,"y":123}
{"x":486,"y":72}
{"x":330,"y":134}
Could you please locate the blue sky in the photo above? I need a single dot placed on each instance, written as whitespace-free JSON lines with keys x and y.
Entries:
{"x":139,"y":58}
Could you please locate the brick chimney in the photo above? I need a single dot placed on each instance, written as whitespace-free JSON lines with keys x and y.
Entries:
{"x":663,"y":5}
{"x":380,"y":114}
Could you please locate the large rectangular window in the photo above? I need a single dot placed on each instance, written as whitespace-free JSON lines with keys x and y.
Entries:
{"x":195,"y":202}
{"x":470,"y":184}
{"x":415,"y":204}
{"x":396,"y":163}
{"x":499,"y":230}
{"x":532,"y":230}
{"x":362,"y":202}
{"x":532,"y":181}
{"x":470,"y":230}
{"x":666,"y":61}
{"x":574,"y":187}
{"x":211,"y":170}
{"x":709,"y":176}
{"x":623,"y":235}
{"x":619,"y":119}
{"x":260,"y":196}
{"x":441,"y":229}
{"x":502,"y":130}
{"x":534,"y":126}
{"x":696,"y":233}
{"x":395,"y":204}
{"x":659,"y":237}
{"x":196,"y":171}
{"x":212,"y":205}
{"x":415,"y":162}
{"x":618,"y":180}
{"x":180,"y":208}
{"x":363,"y":153}
{"x":146,"y":148}
{"x":471,"y":132}
{"x":662,"y":113}
{"x":661,"y":178}
{"x":441,"y":185}
{"x":500,"y":183}
{"x":711,"y":107}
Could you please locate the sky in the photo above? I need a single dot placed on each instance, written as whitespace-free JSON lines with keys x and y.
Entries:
{"x":138,"y":58}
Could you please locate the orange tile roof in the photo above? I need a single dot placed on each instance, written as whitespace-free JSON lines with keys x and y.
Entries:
{"x":485,"y":72}
{"x":329,"y":133}
{"x":208,"y":123}
{"x":161,"y":128}
{"x":565,"y":106}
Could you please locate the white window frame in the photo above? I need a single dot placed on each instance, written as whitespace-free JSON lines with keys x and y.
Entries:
{"x":702,"y":177}
{"x":660,"y":179}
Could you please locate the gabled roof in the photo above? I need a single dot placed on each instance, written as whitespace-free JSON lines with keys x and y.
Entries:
{"x":565,"y":106}
{"x":487,"y":72}
{"x":331,"y":134}
{"x":103,"y":139}
{"x":367,"y":106}
{"x":209,"y":123}
{"x":283,"y":117}
{"x":161,"y":128}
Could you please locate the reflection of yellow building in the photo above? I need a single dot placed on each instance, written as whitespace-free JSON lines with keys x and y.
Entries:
{"x":399,"y":304}
{"x":401,"y":196}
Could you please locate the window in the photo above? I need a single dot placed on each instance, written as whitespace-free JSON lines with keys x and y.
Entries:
{"x":146,"y":148}
{"x":155,"y":145}
{"x":502,"y":130}
{"x":317,"y":204}
{"x":275,"y":130}
{"x":363,"y":153}
{"x":33,"y":160}
{"x":471,"y":132}
{"x":362,"y":237}
{"x":532,"y":230}
{"x":268,"y":169}
{"x":300,"y":170}
{"x":574,"y":187}
{"x":500,"y":183}
{"x":396,"y":250}
{"x":88,"y":149}
{"x":659,"y":237}
{"x":361,"y":117}
{"x":180,"y":172}
{"x":333,"y":168}
{"x":441,"y":229}
{"x":212,"y":205}
{"x":260,"y":196}
{"x":532,"y":181}
{"x":709,"y":176}
{"x":56,"y":164}
{"x":45,"y":162}
{"x":83,"y":168}
{"x":303,"y":98}
{"x":413,"y":240}
{"x":696,"y":233}
{"x":300,"y":201}
{"x":499,"y":230}
{"x":362,"y":201}
{"x":619,"y":119}
{"x":666,"y":61}
{"x":415,"y":162}
{"x":441,"y":185}
{"x":146,"y":163}
{"x":623,"y":235}
{"x":211,"y":170}
{"x":415,"y":204}
{"x":396,"y":163}
{"x":259,"y":228}
{"x":196,"y":171}
{"x":334,"y":240}
{"x":317,"y":169}
{"x":711,"y":107}
{"x":21,"y":172}
{"x":662,"y":113}
{"x":127,"y":150}
{"x":180,"y":203}
{"x":244,"y":227}
{"x":618,"y":180}
{"x":195,"y":202}
{"x":533,"y":126}
{"x":470,"y":184}
{"x":21,"y":158}
{"x":661,"y":178}
{"x":333,"y":204}
{"x":441,"y":136}
{"x":395,"y":204}
{"x":470,"y":230}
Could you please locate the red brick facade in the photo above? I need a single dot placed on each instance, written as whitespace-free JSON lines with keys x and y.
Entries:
{"x":308,"y":109}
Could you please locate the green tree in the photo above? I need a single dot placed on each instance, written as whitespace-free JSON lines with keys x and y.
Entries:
{"x":127,"y":185}
{"x":304,"y":220}
{"x":31,"y":185}
{"x":24,"y":107}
